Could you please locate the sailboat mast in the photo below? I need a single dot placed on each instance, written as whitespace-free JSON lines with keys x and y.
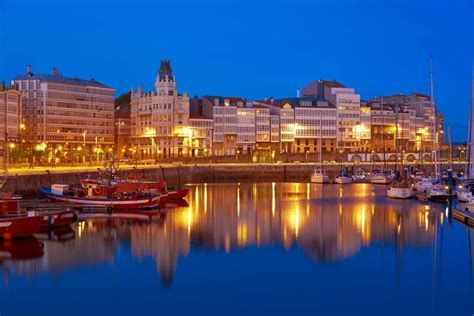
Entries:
{"x":321,"y":138}
{"x":470,"y":130}
{"x":384,"y":167}
{"x":435,"y":125}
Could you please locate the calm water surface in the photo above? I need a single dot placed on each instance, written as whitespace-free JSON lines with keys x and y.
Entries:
{"x":280,"y":249}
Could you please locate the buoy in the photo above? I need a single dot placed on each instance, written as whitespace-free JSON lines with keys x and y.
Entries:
{"x":7,"y":236}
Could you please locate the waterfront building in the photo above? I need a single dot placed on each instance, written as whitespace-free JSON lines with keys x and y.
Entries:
{"x":415,"y":122}
{"x":67,"y":118}
{"x":201,"y":136}
{"x":223,"y":112}
{"x":312,"y":115}
{"x":283,"y":114}
{"x":11,"y":123}
{"x":123,"y":130}
{"x":246,"y":130}
{"x":347,"y":103}
{"x":159,"y":118}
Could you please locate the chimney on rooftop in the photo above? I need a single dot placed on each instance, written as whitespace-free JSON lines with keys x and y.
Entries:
{"x":55,"y":72}
{"x":297,"y":93}
{"x":28,"y":69}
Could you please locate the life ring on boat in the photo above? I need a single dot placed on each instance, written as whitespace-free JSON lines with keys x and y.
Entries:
{"x":98,"y":190}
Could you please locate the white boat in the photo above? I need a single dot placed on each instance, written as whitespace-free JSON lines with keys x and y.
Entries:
{"x":464,"y":193}
{"x":438,"y":193}
{"x":399,"y":192}
{"x":359,"y":175}
{"x":379,"y":178}
{"x":424,"y":185}
{"x":343,"y":179}
{"x":319,"y":176}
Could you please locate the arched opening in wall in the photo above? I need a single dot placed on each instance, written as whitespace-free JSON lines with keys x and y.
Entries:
{"x":392,"y":157}
{"x":410,"y":158}
{"x":376,"y":158}
{"x":426,"y":157}
{"x":356,"y":158}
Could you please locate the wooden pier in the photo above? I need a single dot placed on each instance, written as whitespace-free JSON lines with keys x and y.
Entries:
{"x":464,"y":216}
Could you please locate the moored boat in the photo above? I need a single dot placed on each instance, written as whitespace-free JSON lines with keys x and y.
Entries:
{"x":379,"y":178}
{"x":424,"y":185}
{"x":133,"y":200}
{"x":14,"y":224}
{"x":359,"y":175}
{"x":439,"y":193}
{"x":399,"y":192}
{"x":319,"y":176}
{"x":343,"y":178}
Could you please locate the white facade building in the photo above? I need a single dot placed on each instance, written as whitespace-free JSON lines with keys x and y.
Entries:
{"x":160,"y":126}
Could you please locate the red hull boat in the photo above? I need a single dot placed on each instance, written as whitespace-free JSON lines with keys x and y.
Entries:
{"x":58,"y":218}
{"x":143,"y":202}
{"x":141,"y":185}
{"x":12,"y":223}
{"x":17,"y":227}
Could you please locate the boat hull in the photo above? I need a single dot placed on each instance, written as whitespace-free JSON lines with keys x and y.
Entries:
{"x":400,"y":193}
{"x":319,"y":179}
{"x":464,"y":196}
{"x":18,"y":227}
{"x":381,"y":180}
{"x":343,"y":180}
{"x":56,"y":219}
{"x":176,"y":193}
{"x":139,"y":203}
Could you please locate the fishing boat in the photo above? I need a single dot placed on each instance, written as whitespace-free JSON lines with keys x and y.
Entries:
{"x":135,"y":184}
{"x":14,"y":224}
{"x":101,"y":196}
{"x":379,"y":178}
{"x":319,"y":176}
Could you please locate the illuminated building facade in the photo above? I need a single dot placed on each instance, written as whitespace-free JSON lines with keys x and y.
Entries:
{"x":11,"y":124}
{"x":71,"y":118}
{"x":200,"y":133}
{"x":159,"y":118}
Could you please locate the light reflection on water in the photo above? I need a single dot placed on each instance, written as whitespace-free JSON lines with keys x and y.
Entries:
{"x":341,"y":227}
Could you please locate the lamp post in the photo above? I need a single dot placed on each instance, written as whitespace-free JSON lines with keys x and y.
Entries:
{"x":84,"y":146}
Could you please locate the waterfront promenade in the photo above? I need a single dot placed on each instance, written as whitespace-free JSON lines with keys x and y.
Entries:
{"x":28,"y":181}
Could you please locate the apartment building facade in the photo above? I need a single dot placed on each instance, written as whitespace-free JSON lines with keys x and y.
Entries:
{"x":11,"y":122}
{"x":71,"y":118}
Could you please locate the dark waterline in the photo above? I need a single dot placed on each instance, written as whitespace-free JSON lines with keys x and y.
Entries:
{"x":280,"y":249}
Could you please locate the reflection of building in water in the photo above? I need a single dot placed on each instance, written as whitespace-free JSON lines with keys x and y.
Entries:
{"x":164,"y":243}
{"x":328,"y":226}
{"x":92,"y":246}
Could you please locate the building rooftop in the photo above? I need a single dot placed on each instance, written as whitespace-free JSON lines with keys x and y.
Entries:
{"x":331,"y":84}
{"x":58,"y":78}
{"x":296,"y":102}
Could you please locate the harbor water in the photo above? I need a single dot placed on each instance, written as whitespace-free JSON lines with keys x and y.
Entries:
{"x":250,"y":249}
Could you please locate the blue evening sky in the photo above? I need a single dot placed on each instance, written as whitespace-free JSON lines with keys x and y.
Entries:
{"x":253,"y":49}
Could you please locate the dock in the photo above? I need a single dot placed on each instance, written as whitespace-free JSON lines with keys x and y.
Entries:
{"x":464,"y":216}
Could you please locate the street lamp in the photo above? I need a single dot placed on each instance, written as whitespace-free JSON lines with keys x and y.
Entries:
{"x":84,"y":146}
